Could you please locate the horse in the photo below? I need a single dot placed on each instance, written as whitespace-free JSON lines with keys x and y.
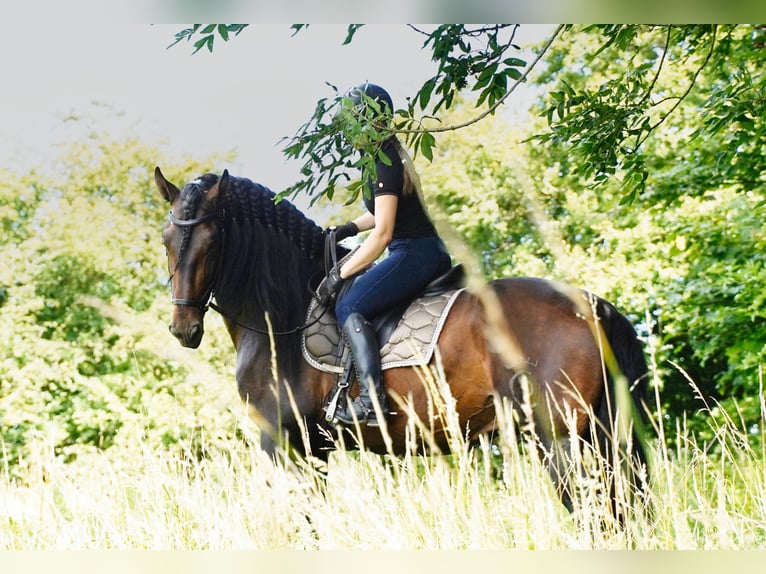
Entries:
{"x":229,"y":240}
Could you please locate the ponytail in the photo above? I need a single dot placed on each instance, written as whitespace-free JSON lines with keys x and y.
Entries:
{"x":411,"y":182}
{"x":411,"y":177}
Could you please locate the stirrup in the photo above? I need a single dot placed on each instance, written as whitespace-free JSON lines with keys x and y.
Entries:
{"x":353,"y":411}
{"x":364,"y":416}
{"x":372,"y":419}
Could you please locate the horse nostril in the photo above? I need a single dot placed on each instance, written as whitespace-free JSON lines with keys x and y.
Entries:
{"x":189,"y":337}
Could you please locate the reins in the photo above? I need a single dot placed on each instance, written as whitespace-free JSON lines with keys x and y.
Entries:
{"x":206,"y":302}
{"x":297,"y":329}
{"x":330,"y":251}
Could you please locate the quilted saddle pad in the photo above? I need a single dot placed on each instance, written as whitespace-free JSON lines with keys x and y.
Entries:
{"x":411,"y":343}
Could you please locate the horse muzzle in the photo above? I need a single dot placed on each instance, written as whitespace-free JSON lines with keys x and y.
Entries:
{"x":187,"y":328}
{"x":191,"y":337}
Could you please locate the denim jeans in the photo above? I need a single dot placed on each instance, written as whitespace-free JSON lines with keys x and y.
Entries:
{"x":409,"y":266}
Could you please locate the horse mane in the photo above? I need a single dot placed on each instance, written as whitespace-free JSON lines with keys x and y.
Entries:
{"x":271,"y":250}
{"x":192,"y":197}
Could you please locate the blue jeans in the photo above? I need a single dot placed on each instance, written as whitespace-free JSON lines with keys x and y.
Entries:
{"x":409,"y":266}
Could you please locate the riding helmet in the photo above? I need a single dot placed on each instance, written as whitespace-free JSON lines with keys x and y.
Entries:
{"x":373,"y":92}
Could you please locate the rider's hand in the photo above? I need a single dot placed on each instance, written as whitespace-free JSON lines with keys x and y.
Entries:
{"x":348,"y":229}
{"x":329,"y":286}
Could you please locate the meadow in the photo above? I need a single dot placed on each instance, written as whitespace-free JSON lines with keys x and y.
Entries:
{"x":223,"y":493}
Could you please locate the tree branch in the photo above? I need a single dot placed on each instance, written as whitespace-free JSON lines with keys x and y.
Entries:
{"x":659,"y":68}
{"x":498,"y":103}
{"x":683,"y":96}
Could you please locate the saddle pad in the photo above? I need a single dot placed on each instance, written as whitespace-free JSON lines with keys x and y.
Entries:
{"x":411,"y":343}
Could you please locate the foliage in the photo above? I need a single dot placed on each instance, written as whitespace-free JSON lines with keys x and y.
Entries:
{"x":695,"y":225}
{"x":474,"y":56}
{"x":622,"y":83}
{"x":18,"y":203}
{"x":328,"y":143}
{"x":603,"y":104}
{"x":85,"y":363}
{"x":207,"y":34}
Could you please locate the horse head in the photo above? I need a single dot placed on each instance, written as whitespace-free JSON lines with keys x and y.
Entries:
{"x":192,"y":239}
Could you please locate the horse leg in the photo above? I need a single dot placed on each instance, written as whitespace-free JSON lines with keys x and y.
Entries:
{"x":548,"y":417}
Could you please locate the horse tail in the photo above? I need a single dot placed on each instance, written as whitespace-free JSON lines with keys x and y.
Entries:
{"x":628,"y":353}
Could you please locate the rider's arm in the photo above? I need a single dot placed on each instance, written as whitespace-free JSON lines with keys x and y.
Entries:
{"x":382,"y":225}
{"x":365,"y":222}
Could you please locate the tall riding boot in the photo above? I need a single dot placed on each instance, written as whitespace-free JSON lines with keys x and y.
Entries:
{"x":361,"y":339}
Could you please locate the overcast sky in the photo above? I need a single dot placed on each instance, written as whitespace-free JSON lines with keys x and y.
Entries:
{"x":60,"y":82}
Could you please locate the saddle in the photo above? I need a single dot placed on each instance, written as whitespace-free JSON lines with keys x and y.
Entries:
{"x":407,"y":334}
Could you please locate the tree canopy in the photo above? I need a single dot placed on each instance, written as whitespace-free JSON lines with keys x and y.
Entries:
{"x":604,"y":101}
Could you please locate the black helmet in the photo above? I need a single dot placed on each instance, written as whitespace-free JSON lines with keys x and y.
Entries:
{"x":374,"y":92}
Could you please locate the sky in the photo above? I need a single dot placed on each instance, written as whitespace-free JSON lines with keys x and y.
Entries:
{"x":64,"y":82}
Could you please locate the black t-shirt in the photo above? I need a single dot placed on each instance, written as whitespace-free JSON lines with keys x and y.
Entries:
{"x":411,"y":218}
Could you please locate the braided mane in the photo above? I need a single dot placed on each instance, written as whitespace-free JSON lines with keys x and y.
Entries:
{"x":192,"y":198}
{"x":271,"y":252}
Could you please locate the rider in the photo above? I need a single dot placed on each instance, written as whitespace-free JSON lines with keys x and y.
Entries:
{"x":398,"y":220}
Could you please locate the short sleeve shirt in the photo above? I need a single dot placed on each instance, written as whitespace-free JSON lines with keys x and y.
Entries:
{"x":411,"y":218}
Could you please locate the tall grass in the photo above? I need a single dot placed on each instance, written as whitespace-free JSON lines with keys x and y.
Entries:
{"x":494,"y":496}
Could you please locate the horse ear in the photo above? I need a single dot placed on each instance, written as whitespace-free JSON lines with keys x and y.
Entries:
{"x":221,"y":187}
{"x":168,"y":191}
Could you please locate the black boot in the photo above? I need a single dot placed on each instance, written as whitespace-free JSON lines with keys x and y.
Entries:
{"x":363,"y":343}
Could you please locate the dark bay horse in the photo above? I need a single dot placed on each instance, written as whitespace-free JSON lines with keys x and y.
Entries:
{"x":227,"y":238}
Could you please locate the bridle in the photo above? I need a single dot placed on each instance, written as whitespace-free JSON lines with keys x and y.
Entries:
{"x":205,"y":302}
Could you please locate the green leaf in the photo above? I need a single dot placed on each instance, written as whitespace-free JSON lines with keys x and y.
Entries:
{"x":199,"y":44}
{"x":424,"y":95}
{"x":223,"y":31}
{"x":515,"y":62}
{"x":184,"y":34}
{"x":350,"y":32}
{"x":383,"y":157}
{"x":427,"y":143}
{"x":487,"y":75}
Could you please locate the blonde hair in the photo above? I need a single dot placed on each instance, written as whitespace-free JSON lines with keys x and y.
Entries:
{"x":411,"y":178}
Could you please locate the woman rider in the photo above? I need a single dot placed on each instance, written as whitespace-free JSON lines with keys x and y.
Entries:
{"x":397,"y":220}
